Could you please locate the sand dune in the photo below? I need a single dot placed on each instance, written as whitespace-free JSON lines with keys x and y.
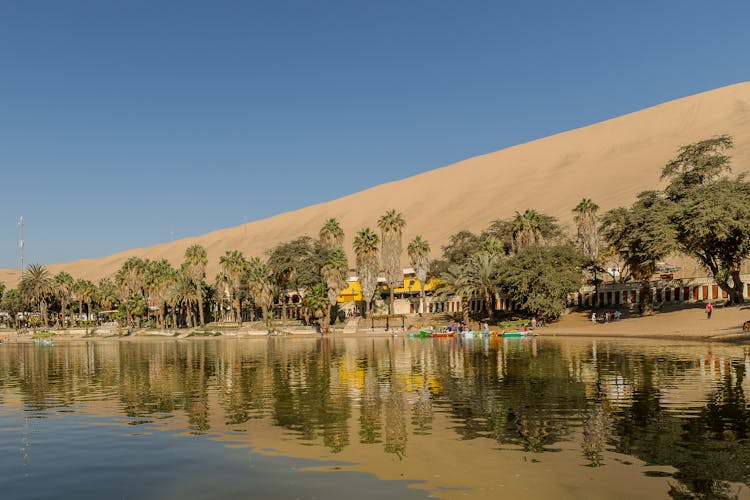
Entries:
{"x":609,"y":162}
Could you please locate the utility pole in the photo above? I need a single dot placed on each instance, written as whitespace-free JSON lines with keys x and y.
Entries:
{"x":20,"y":241}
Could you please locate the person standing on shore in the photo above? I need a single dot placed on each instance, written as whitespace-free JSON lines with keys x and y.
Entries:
{"x":593,"y":317}
{"x":709,"y":310}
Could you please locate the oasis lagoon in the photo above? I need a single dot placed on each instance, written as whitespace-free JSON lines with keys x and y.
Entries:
{"x":374,"y":417}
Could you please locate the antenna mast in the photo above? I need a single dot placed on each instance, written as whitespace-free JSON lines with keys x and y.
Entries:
{"x":20,"y":241}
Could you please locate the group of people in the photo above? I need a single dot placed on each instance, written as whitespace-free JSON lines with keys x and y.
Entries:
{"x":606,"y":316}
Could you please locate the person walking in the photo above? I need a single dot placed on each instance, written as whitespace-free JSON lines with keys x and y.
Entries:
{"x":593,"y":317}
{"x":709,"y":310}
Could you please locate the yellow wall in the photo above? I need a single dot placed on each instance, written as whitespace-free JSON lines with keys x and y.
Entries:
{"x":353,"y":290}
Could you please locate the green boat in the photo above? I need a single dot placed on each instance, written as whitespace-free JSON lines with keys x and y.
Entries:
{"x":515,"y":334}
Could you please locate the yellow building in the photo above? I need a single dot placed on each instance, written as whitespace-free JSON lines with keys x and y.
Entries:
{"x":352,"y":292}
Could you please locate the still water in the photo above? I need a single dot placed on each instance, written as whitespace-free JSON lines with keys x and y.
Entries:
{"x":373,"y":418}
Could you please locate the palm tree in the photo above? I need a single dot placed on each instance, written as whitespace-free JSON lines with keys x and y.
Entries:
{"x":331,"y":235}
{"x":480,"y":277}
{"x":260,"y":285}
{"x":130,"y":280}
{"x":526,"y":229}
{"x":36,"y":286}
{"x":107,"y":293}
{"x":233,"y":266}
{"x":452,"y":283}
{"x":366,"y":252}
{"x":85,"y":291}
{"x":182,"y":293}
{"x":334,"y":272}
{"x":63,"y":287}
{"x":159,"y":277}
{"x":419,"y":258}
{"x":587,"y":226}
{"x":194,"y":265}
{"x":391,"y":226}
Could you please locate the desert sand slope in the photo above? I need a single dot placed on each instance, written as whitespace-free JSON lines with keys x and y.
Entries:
{"x":609,"y":162}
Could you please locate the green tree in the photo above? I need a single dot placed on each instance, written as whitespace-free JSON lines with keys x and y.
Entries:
{"x":711,"y":214}
{"x":587,"y":228}
{"x":183,"y":294}
{"x":233,"y":267}
{"x":260,"y":286}
{"x":419,"y":258}
{"x":531,"y":228}
{"x":453,"y":284}
{"x":12,"y":303}
{"x":331,"y":234}
{"x":391,"y":226}
{"x":540,"y":278}
{"x":296,"y":266}
{"x":194,"y":266}
{"x":334,"y":272}
{"x":643,"y":235}
{"x":36,"y":287}
{"x":480,"y":278}
{"x":85,"y":292}
{"x":159,"y":278}
{"x":63,"y":288}
{"x":107,"y":293}
{"x":366,"y":252}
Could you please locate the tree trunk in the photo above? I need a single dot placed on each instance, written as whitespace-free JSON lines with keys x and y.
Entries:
{"x":199,"y":293}
{"x":390,"y":306}
{"x":737,"y":296}
{"x":490,"y":306}
{"x":239,"y":313}
{"x":647,"y":299}
{"x":465,"y":311}
{"x":80,"y":311}
{"x":43,"y":312}
{"x":64,"y":306}
{"x":421,"y":297}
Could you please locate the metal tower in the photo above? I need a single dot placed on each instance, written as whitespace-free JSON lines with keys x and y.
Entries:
{"x":20,"y":241}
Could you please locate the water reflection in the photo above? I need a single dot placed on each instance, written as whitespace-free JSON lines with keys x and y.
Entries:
{"x":599,"y":404}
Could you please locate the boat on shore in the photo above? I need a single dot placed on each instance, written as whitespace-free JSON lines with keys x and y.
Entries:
{"x":43,"y":342}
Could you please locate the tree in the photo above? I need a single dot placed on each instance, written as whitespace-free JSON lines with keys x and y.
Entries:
{"x":331,"y":234}
{"x":391,"y":226}
{"x":334,"y":273}
{"x":531,"y":228}
{"x":452,"y":283}
{"x":194,"y":265}
{"x":260,"y":286}
{"x":159,"y":278}
{"x":366,"y":252}
{"x":296,"y":266}
{"x":183,"y":293}
{"x":85,"y":292}
{"x":36,"y":287}
{"x":480,"y":278}
{"x":63,"y":289}
{"x":233,"y":267}
{"x":419,"y":258}
{"x":587,"y":228}
{"x":540,"y":278}
{"x":12,"y":303}
{"x":696,"y":165}
{"x":711,"y":214}
{"x":130,"y":280}
{"x":107,"y":293}
{"x":643,"y":235}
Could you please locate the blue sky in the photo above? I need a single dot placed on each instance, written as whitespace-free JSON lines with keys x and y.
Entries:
{"x":125,"y":124}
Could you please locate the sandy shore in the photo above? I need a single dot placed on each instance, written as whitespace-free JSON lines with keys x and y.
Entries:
{"x":683,"y":323}
{"x":689,"y":322}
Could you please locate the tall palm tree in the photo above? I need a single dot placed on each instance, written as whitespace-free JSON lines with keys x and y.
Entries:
{"x":36,"y":287}
{"x":331,"y":234}
{"x":480,"y":277}
{"x":260,"y":285}
{"x":159,"y":276}
{"x":233,"y":266}
{"x":194,"y":265}
{"x":107,"y":293}
{"x":391,"y":226}
{"x":526,"y":230}
{"x":85,"y":292}
{"x":182,"y":293}
{"x":366,"y":252}
{"x":587,"y":227}
{"x":63,"y":287}
{"x":419,"y":258}
{"x":334,"y":272}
